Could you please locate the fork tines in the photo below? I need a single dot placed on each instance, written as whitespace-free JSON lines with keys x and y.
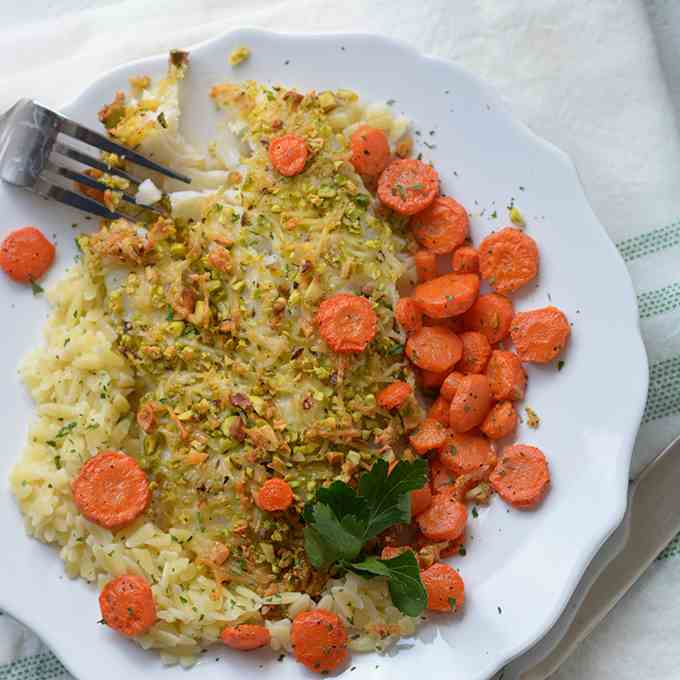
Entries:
{"x":29,"y":136}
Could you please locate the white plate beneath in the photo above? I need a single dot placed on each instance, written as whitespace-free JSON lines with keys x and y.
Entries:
{"x":521,"y":567}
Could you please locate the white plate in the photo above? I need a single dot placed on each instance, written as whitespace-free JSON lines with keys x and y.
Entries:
{"x":521,"y":567}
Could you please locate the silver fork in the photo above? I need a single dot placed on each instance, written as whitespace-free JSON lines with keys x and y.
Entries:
{"x":34,"y":141}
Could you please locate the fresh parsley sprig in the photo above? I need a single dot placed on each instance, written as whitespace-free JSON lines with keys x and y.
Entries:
{"x":341,"y":521}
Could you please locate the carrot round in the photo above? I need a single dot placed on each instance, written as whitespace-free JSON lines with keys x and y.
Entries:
{"x":274,"y":495}
{"x":476,"y":352}
{"x":471,"y":403}
{"x":465,"y":260}
{"x":447,"y":295}
{"x":408,"y":314}
{"x":450,"y":385}
{"x":426,"y":265}
{"x":508,"y":259}
{"x":440,"y":410}
{"x":346,"y":322}
{"x":445,"y":519}
{"x":421,"y":500}
{"x":429,"y":380}
{"x":370,"y":150}
{"x":540,"y":335}
{"x":500,"y":421}
{"x":490,"y":314}
{"x":245,"y":636}
{"x":453,"y":548}
{"x":389,"y":552}
{"x":431,"y":434}
{"x":434,"y":348}
{"x":444,"y":586}
{"x":442,"y":226}
{"x":111,"y":489}
{"x":408,"y":186}
{"x":522,"y":477}
{"x":440,"y":476}
{"x":319,"y":640}
{"x":288,"y":154}
{"x":394,"y":395}
{"x":463,"y":453}
{"x":25,"y":254}
{"x":127,"y":605}
{"x":453,"y":323}
{"x":506,"y":375}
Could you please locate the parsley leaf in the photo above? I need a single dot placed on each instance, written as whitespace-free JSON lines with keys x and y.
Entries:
{"x":65,"y":430}
{"x":403,"y":575}
{"x":36,"y":288}
{"x":388,"y":495}
{"x":329,"y":538}
{"x":340,"y":521}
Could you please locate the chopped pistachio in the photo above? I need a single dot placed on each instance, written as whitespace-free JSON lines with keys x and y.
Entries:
{"x":239,"y":55}
{"x":516,"y":217}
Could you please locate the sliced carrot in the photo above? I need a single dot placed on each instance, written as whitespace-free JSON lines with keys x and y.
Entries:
{"x":465,"y":483}
{"x":506,"y":375}
{"x":111,"y":489}
{"x":431,"y":434}
{"x":370,"y":150}
{"x":434,"y":348}
{"x":453,"y":323}
{"x":447,"y":295}
{"x":421,"y":500}
{"x":444,"y":586}
{"x":442,"y":226}
{"x":522,"y":477}
{"x":500,"y":421}
{"x":245,"y":636}
{"x":429,"y":380}
{"x":508,"y":259}
{"x":127,"y":605}
{"x":465,"y":260}
{"x":274,"y":495}
{"x":389,"y":552}
{"x":288,"y":154}
{"x":440,"y":477}
{"x":408,"y":314}
{"x":540,"y":335}
{"x":26,"y":255}
{"x":440,"y":410}
{"x":408,"y":186}
{"x":476,"y":352}
{"x":426,"y":265}
{"x":146,"y":416}
{"x":394,"y":395}
{"x":490,"y":314}
{"x":471,"y":403}
{"x":319,"y":640}
{"x":462,"y":453}
{"x":450,"y":385}
{"x":346,"y":322}
{"x":445,"y":519}
{"x":453,"y":547}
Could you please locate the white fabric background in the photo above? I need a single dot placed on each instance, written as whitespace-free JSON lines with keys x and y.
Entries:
{"x":596,"y":77}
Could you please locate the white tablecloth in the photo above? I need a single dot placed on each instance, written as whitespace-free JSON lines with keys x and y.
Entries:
{"x":596,"y":77}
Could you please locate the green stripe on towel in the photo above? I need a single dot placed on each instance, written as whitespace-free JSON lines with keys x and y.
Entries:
{"x":664,"y":389}
{"x":44,"y":666}
{"x":650,"y":242}
{"x":661,"y":301}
